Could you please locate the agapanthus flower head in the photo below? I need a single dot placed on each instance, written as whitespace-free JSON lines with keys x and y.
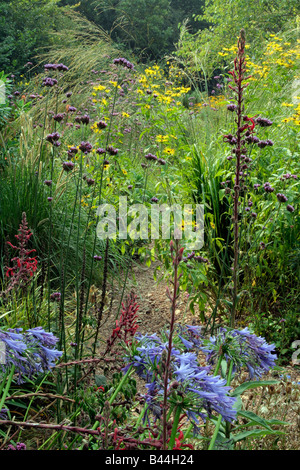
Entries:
{"x":31,"y":352}
{"x":203,"y":393}
{"x":244,"y":348}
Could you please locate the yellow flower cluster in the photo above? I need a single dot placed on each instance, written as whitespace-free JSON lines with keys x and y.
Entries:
{"x":295,"y":118}
{"x":153,"y":80}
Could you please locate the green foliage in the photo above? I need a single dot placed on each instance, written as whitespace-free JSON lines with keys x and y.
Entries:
{"x":25,"y":27}
{"x":225,"y":20}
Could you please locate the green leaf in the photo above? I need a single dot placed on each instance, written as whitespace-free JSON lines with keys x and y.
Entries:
{"x":255,"y":419}
{"x":247,"y":385}
{"x":254,"y":433}
{"x":100,"y":380}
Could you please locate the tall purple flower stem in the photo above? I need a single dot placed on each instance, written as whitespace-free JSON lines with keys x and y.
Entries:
{"x":176,"y":253}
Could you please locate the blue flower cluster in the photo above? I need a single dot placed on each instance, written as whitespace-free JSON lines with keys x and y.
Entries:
{"x":31,"y":352}
{"x":199,"y":392}
{"x":244,"y":348}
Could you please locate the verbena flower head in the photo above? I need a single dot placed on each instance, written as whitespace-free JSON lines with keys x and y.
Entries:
{"x":85,"y":147}
{"x":68,"y":166}
{"x":124,"y":63}
{"x":49,"y":82}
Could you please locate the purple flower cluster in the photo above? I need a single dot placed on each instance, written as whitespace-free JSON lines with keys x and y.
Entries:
{"x":58,"y":117}
{"x":72,"y":152}
{"x":68,"y":166}
{"x":231,"y":107}
{"x":59,"y":67}
{"x":85,"y":147}
{"x":53,"y":139}
{"x":49,"y":82}
{"x":150,"y":157}
{"x":111,"y":150}
{"x":268,"y":188}
{"x":124,"y":63}
{"x":263,"y":122}
{"x":264,"y":143}
{"x":202,"y":392}
{"x":245,"y":349}
{"x":19,"y":446}
{"x":31,"y":352}
{"x":281,"y":197}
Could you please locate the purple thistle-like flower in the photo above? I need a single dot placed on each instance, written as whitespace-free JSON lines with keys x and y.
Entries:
{"x":58,"y":117}
{"x":268,"y":188}
{"x":124,"y":63}
{"x":49,"y":82}
{"x":154,"y":199}
{"x":97,"y":258}
{"x":263,"y":122}
{"x":52,"y":138}
{"x":281,"y":197}
{"x":68,"y":166}
{"x":101,"y":124}
{"x":100,"y":151}
{"x":150,"y":157}
{"x":72,"y":109}
{"x":111,"y":150}
{"x":231,"y":107}
{"x":85,"y":147}
{"x":55,"y":297}
{"x":48,"y":182}
{"x":290,"y":208}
